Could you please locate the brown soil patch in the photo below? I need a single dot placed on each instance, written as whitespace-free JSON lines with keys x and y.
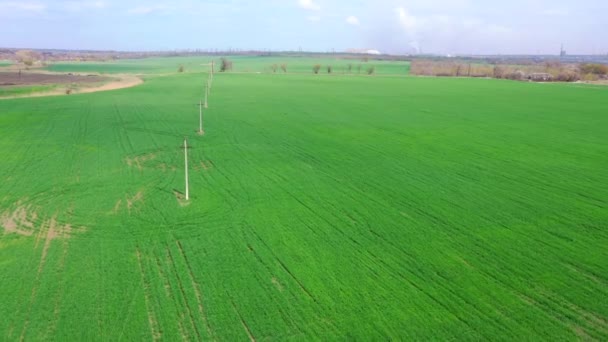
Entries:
{"x":78,"y":84}
{"x":117,"y":206}
{"x":125,"y":81}
{"x":52,"y":230}
{"x":276,"y":283}
{"x":135,"y":199}
{"x":203,"y":166}
{"x":27,"y":78}
{"x":181,"y":198}
{"x":140,"y":161}
{"x":20,"y":221}
{"x":129,"y":202}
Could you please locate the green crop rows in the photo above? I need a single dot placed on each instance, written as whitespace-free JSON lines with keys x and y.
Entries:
{"x":323,"y":208}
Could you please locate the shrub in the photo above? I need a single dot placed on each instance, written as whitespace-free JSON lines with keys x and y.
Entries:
{"x":284,"y":68}
{"x":568,"y":76}
{"x":596,"y":69}
{"x":225,"y":64}
{"x":516,"y":76}
{"x":329,"y":69}
{"x":591,"y":77}
{"x":274,"y":67}
{"x":371,"y":70}
{"x":349,"y":67}
{"x":180,"y":69}
{"x":316,"y":68}
{"x":498,"y":71}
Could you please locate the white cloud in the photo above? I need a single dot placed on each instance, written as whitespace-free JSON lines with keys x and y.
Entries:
{"x":77,"y":6}
{"x":309,"y":5}
{"x":353,"y":20}
{"x":25,"y":6}
{"x":410,"y":23}
{"x":148,"y":9}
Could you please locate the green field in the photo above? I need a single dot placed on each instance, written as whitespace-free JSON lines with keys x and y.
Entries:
{"x":322,"y":208}
{"x":241,"y":64}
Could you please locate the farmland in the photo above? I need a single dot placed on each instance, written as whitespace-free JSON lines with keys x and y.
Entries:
{"x":322,"y":207}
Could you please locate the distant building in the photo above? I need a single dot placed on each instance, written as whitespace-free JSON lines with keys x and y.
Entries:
{"x":364,"y":51}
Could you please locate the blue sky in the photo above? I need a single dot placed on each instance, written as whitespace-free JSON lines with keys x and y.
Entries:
{"x":393,"y":26}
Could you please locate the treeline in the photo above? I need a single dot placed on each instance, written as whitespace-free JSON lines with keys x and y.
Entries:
{"x":540,"y":72}
{"x":349,"y":69}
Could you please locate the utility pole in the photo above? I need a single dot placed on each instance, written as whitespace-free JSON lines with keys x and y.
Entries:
{"x":207,"y":95}
{"x":200,"y":122}
{"x":186,"y":168}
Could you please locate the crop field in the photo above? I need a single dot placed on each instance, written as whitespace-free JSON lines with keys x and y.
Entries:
{"x":242,"y":64}
{"x":322,"y":208}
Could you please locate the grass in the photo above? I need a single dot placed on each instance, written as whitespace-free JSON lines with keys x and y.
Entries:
{"x":322,"y":208}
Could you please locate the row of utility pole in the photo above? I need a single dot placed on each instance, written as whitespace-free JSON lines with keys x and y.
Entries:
{"x":202,"y":105}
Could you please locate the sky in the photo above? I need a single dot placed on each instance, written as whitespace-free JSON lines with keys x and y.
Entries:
{"x":390,"y":26}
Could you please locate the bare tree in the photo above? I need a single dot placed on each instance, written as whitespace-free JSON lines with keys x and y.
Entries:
{"x":498,"y":72}
{"x":371,"y":70}
{"x":316,"y":68}
{"x":284,"y":67}
{"x":329,"y":69}
{"x":28,"y":57}
{"x":274,"y":68}
{"x":225,"y":65}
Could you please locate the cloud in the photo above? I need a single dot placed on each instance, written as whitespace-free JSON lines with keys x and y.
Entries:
{"x":309,"y":5}
{"x":24,"y":6}
{"x":313,"y":18}
{"x":142,"y":10}
{"x":408,"y":22}
{"x":353,"y":20}
{"x":77,"y":6}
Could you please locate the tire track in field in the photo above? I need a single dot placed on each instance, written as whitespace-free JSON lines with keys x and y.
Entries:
{"x":183,"y":292}
{"x":123,"y":136}
{"x":243,"y":323}
{"x":560,"y":311}
{"x":359,"y":247}
{"x":155,"y":331}
{"x":59,"y":297}
{"x":49,"y":128}
{"x":197,"y":290}
{"x":171,"y":296}
{"x":281,"y":263}
{"x":287,"y":318}
{"x":55,"y":230}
